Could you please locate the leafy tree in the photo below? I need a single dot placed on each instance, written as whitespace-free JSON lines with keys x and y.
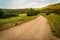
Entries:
{"x":32,"y":12}
{"x":58,"y":12}
{"x":10,"y":15}
{"x":1,"y":14}
{"x":47,"y":13}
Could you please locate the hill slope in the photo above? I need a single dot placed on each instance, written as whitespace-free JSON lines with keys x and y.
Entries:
{"x":52,"y":8}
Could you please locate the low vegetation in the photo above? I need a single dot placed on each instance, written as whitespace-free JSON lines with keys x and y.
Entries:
{"x":54,"y":20}
{"x":14,"y":21}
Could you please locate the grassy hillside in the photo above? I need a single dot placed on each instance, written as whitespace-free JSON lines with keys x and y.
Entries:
{"x":52,"y":8}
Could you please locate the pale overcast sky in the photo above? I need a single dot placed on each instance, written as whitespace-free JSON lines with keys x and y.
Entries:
{"x":26,"y":3}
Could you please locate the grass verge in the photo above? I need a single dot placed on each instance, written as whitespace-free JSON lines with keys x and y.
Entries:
{"x":14,"y":21}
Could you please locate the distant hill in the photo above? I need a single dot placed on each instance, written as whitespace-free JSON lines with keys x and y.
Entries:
{"x":52,"y":8}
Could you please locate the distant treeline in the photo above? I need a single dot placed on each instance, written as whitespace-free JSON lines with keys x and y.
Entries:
{"x":15,"y":10}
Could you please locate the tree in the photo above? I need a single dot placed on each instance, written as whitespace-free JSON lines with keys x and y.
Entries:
{"x":1,"y":14}
{"x":32,"y":12}
{"x":47,"y":13}
{"x":58,"y":12}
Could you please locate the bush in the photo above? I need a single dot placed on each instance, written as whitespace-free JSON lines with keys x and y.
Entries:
{"x":10,"y":15}
{"x":1,"y":14}
{"x":6,"y":15}
{"x":47,"y":13}
{"x":58,"y":12}
{"x":32,"y":12}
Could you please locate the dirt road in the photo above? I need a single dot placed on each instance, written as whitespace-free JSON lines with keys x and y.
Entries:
{"x":37,"y":29}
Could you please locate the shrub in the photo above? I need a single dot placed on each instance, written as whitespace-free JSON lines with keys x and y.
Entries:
{"x":32,"y":12}
{"x":47,"y":13}
{"x":1,"y":14}
{"x":58,"y":12}
{"x":10,"y":15}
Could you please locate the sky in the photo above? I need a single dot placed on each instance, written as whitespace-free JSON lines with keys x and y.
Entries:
{"x":16,"y":4}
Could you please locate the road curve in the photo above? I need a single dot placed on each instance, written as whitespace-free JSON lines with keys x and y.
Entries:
{"x":37,"y":29}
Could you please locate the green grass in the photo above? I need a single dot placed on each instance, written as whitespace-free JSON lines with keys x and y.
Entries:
{"x":43,"y":14}
{"x":54,"y":20}
{"x":55,"y":23}
{"x":14,"y":21}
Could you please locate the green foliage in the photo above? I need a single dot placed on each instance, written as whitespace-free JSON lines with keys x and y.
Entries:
{"x":1,"y":14}
{"x":47,"y":13}
{"x":58,"y":12}
{"x":8,"y":15}
{"x":32,"y":12}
